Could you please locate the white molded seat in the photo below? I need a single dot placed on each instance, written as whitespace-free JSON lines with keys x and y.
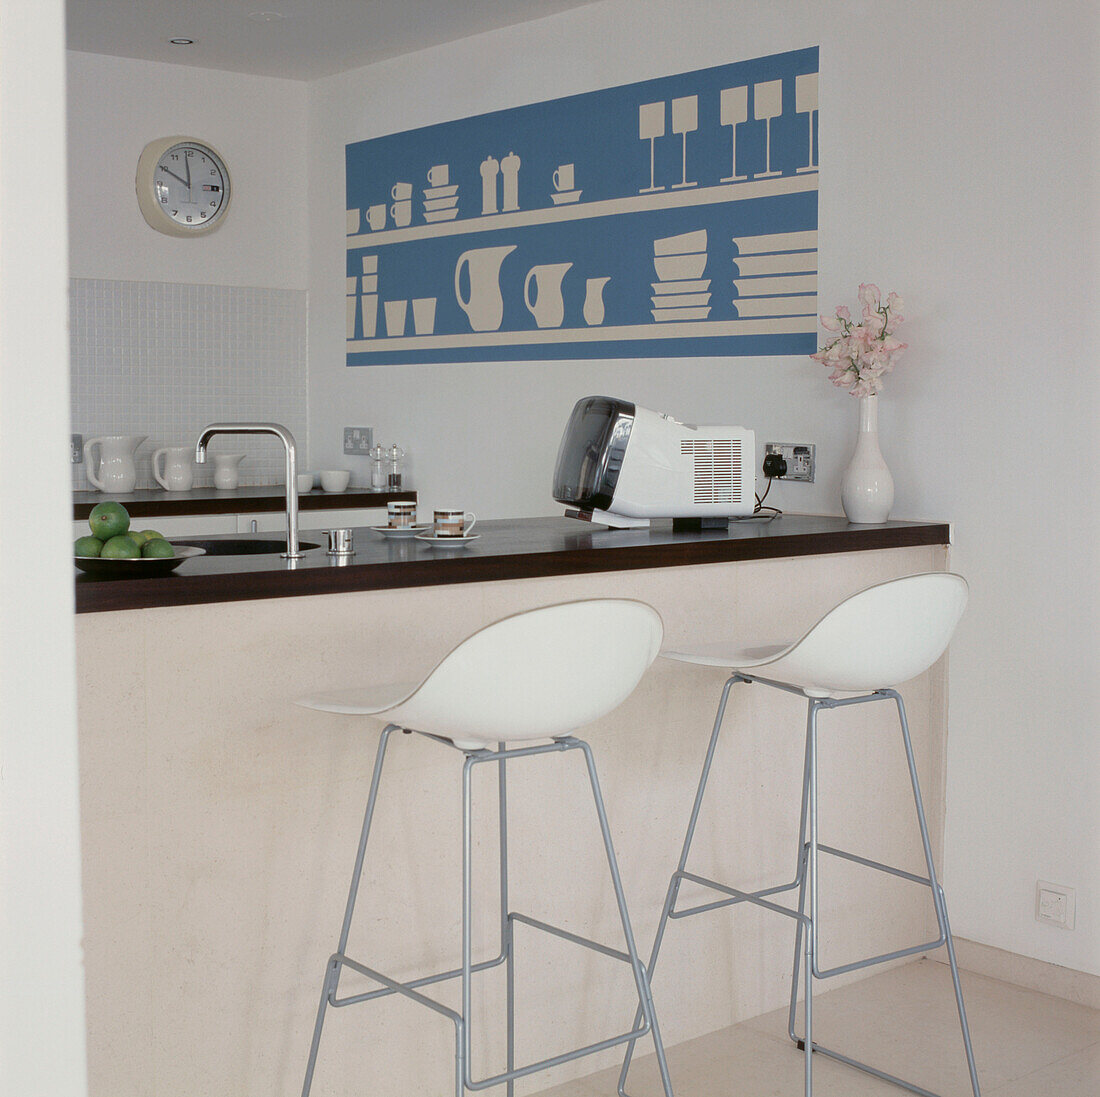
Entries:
{"x":875,"y":639}
{"x":855,"y":655}
{"x":542,"y":674}
{"x":535,"y":675}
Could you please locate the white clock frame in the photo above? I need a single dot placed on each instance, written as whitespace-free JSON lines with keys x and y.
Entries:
{"x":146,"y":184}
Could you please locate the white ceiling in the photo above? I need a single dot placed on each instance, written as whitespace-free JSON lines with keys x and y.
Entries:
{"x":298,"y":39}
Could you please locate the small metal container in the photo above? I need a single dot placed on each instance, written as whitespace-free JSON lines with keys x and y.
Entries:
{"x":340,"y":542}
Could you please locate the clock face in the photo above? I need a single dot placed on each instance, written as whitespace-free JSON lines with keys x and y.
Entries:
{"x":182,"y":186}
{"x":192,"y":184}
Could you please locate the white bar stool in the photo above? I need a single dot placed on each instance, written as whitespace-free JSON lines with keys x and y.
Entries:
{"x":874,"y":640}
{"x":537,"y":675}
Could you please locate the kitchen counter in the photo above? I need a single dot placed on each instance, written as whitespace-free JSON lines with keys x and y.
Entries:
{"x":219,"y":819}
{"x":505,"y":549}
{"x":151,"y":502}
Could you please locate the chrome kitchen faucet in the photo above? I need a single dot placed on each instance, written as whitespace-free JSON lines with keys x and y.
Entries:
{"x":284,"y":435}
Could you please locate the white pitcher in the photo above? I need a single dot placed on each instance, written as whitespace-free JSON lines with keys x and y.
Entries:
{"x":115,"y":470}
{"x":227,"y":475}
{"x":177,"y":474}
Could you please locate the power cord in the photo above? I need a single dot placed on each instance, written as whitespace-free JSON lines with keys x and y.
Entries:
{"x":760,"y":511}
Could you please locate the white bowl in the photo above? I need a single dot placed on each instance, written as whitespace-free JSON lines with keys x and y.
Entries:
{"x":335,"y":479}
{"x":305,"y":481}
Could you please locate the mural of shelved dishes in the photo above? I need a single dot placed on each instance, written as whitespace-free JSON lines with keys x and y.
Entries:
{"x":440,"y":195}
{"x":681,"y":292}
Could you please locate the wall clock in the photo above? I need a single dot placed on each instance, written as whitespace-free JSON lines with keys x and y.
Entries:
{"x":182,"y":186}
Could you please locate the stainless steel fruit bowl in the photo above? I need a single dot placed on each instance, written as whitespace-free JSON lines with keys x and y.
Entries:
{"x":144,"y":567}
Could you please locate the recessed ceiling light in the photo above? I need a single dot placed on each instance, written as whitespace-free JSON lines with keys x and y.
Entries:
{"x":181,"y":41}
{"x":266,"y":16}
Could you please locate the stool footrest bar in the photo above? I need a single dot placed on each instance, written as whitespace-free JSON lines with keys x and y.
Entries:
{"x":867,"y":862}
{"x":557,"y":1060}
{"x":565,"y":935}
{"x":857,"y":964}
{"x":424,"y":981}
{"x":756,"y":897}
{"x":399,"y":988}
{"x":893,"y":1079}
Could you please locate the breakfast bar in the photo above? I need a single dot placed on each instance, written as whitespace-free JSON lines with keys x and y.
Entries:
{"x":219,"y":819}
{"x":505,"y":549}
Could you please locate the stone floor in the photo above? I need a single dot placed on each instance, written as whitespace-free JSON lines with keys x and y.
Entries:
{"x":903,"y":1021}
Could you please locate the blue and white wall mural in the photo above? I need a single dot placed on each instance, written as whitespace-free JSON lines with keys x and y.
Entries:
{"x":666,"y":218}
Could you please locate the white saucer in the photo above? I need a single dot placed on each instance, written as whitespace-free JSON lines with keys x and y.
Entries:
{"x":447,"y":542}
{"x":562,"y":196}
{"x":399,"y":531}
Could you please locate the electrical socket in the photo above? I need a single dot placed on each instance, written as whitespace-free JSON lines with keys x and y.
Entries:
{"x":801,"y":458}
{"x":358,"y":440}
{"x":1056,"y":905}
{"x":76,"y":449}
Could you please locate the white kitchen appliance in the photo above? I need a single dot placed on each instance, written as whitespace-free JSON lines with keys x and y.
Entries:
{"x":621,"y":465}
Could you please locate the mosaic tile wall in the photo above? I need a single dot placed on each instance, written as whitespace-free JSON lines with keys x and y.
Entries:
{"x":164,"y":359}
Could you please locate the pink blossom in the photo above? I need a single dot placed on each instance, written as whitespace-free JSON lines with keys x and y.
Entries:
{"x":861,"y":354}
{"x":869,"y":297}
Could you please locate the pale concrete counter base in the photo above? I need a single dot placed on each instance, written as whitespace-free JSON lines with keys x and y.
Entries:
{"x":220,"y":823}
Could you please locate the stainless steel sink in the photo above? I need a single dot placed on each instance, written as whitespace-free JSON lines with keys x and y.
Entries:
{"x":242,"y":546}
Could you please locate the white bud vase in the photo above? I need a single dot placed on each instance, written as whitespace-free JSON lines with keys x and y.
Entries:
{"x":867,"y":490}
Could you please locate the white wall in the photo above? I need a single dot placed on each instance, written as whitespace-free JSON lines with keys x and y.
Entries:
{"x":42,"y":1003}
{"x":958,"y":169}
{"x":118,"y":105}
{"x":170,"y":334}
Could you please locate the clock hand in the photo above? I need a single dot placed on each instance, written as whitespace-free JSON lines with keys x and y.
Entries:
{"x":187,"y":165}
{"x":175,"y":176}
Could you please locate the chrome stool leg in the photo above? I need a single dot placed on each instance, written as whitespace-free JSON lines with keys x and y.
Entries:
{"x":677,"y":876}
{"x":806,"y":966}
{"x":805,"y":1042}
{"x":508,"y":918}
{"x":332,"y":971}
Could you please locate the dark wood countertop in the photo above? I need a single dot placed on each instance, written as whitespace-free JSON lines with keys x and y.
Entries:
{"x":506,"y":549}
{"x":151,"y":502}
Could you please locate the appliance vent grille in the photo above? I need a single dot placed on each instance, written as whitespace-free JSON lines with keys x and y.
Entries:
{"x":717,"y":468}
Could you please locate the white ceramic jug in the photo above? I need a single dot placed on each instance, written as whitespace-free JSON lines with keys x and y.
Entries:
{"x":177,"y":474}
{"x":115,"y":470}
{"x":227,"y":474}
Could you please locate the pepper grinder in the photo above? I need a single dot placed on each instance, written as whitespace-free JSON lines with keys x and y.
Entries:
{"x":394,"y":458}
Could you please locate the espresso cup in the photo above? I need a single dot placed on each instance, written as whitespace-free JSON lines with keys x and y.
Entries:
{"x":401,"y":515}
{"x":453,"y":522}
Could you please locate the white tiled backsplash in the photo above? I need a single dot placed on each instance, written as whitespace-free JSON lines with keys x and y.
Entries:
{"x":164,"y":360}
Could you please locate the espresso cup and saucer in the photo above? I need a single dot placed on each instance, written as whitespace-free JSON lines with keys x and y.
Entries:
{"x":451,"y":528}
{"x":400,"y":520}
